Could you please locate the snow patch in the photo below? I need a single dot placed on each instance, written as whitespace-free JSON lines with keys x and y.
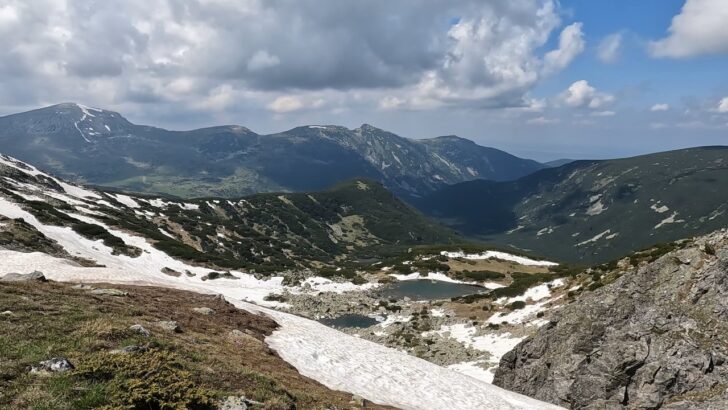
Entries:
{"x":522,"y":260}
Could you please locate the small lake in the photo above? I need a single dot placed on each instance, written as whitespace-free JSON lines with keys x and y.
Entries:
{"x":350,"y":320}
{"x":423,"y":289}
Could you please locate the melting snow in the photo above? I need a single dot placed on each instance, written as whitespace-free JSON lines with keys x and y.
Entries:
{"x":669,"y":220}
{"x":126,"y":200}
{"x":522,"y":260}
{"x":595,"y":238}
{"x":659,"y":209}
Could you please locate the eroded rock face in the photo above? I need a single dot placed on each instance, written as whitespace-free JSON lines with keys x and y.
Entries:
{"x":656,"y":337}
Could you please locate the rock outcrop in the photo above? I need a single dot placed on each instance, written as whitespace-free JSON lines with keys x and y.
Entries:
{"x":656,"y":337}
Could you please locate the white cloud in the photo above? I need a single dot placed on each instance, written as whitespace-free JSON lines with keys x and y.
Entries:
{"x":582,"y":95}
{"x":700,"y":28}
{"x":286,"y":103}
{"x":212,"y":55}
{"x":723,"y":105}
{"x":609,"y":48}
{"x":390,"y":103}
{"x":660,"y":107}
{"x":605,"y":113}
{"x":571,"y":44}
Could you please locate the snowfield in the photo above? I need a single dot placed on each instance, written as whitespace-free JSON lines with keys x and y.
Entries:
{"x":335,"y":359}
{"x":522,"y":260}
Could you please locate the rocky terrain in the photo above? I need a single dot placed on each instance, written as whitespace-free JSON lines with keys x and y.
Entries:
{"x":101,"y":147}
{"x":654,"y":336}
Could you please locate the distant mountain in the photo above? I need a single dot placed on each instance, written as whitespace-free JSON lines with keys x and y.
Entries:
{"x":594,"y":211}
{"x":101,"y":147}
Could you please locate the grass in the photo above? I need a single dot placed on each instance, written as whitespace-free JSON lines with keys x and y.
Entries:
{"x":193,"y":369}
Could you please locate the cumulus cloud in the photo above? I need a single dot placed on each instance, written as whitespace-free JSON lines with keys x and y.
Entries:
{"x":218,"y":54}
{"x":723,"y":105}
{"x":582,"y":95}
{"x":571,"y":44}
{"x":605,"y":113}
{"x":660,"y":107}
{"x":286,"y":103}
{"x":609,"y":48}
{"x":700,"y":28}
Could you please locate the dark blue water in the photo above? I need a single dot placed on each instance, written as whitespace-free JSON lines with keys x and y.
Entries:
{"x":350,"y":320}
{"x":423,"y":289}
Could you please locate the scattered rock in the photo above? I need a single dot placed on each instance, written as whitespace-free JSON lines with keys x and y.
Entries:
{"x":109,"y":292}
{"x":357,"y":400}
{"x":171,"y":272}
{"x":18,"y":277}
{"x":54,"y":365}
{"x":6,"y":313}
{"x":170,"y":325}
{"x":217,"y":275}
{"x":140,"y":329}
{"x":203,"y":311}
{"x":238,"y":403}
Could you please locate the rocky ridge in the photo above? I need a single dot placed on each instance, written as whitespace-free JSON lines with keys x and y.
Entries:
{"x":653,"y":337}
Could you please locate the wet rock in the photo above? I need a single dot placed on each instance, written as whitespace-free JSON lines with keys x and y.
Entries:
{"x":18,"y":277}
{"x":203,"y":311}
{"x":54,"y":365}
{"x":109,"y":292}
{"x":140,"y":329}
{"x":170,"y":325}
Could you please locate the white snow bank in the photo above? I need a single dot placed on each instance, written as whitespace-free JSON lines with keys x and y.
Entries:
{"x":126,"y":200}
{"x":498,"y":255}
{"x":441,"y":277}
{"x":384,"y":375}
{"x":496,"y":344}
{"x":319,"y":284}
{"x":534,"y":293}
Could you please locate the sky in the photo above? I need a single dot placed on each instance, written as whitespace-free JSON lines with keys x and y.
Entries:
{"x":543,"y":79}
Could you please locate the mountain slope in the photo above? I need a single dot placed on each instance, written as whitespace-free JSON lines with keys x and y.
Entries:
{"x":263,"y":233}
{"x":652,"y":337}
{"x":102,"y":148}
{"x":594,"y":211}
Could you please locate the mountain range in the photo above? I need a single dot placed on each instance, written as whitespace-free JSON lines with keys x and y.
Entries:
{"x":593,"y":211}
{"x":101,"y":147}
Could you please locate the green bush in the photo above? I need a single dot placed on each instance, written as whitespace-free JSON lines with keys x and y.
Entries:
{"x":519,"y":304}
{"x":155,"y":379}
{"x":480,"y":275}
